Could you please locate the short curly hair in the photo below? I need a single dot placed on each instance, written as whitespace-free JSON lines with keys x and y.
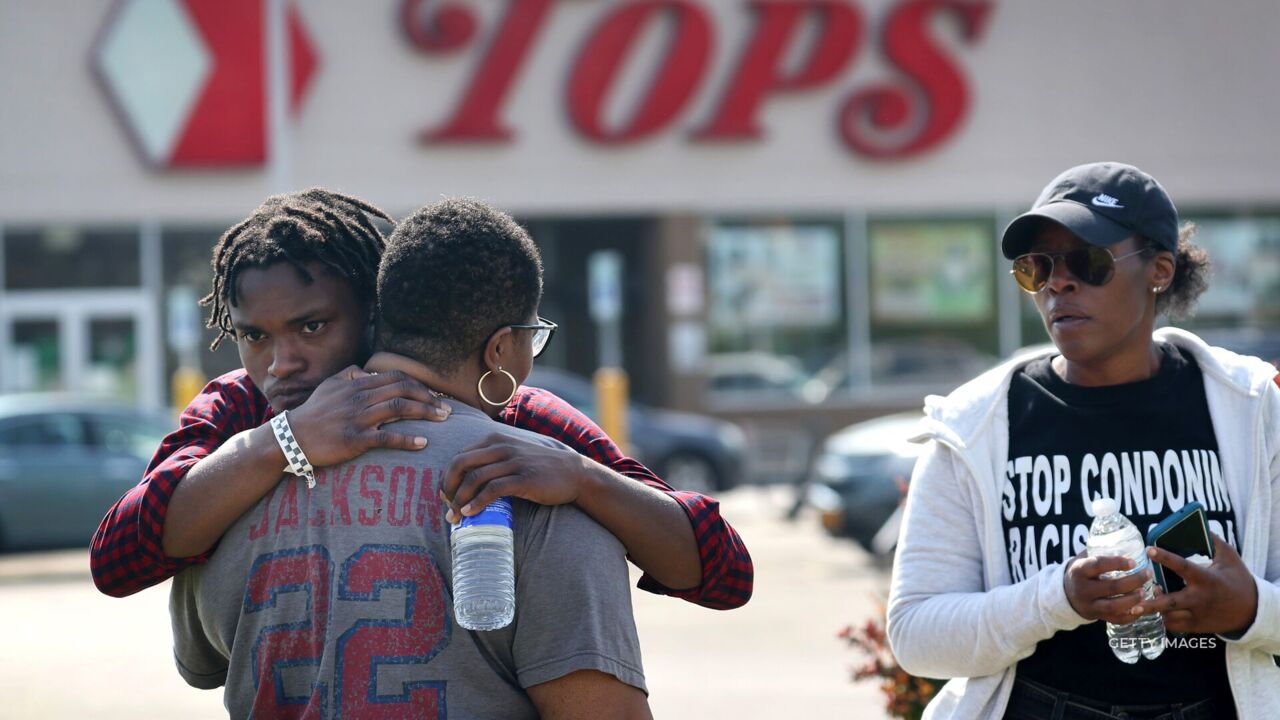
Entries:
{"x":453,"y":273}
{"x":1190,"y":277}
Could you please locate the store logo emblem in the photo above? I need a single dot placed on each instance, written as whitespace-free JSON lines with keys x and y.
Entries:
{"x":188,"y":78}
{"x":1106,"y":201}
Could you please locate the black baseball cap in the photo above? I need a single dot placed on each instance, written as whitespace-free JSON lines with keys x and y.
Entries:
{"x":1101,"y":203}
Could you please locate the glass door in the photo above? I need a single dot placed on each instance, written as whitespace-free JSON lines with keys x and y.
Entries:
{"x":33,"y":360}
{"x":99,"y":342}
{"x":113,"y":357}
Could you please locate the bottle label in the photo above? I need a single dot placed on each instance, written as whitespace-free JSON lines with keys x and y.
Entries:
{"x":497,"y":512}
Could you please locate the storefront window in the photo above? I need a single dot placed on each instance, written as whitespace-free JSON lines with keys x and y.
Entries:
{"x":113,"y":353}
{"x":1246,"y":272}
{"x":34,"y":358}
{"x":933,"y":301}
{"x":60,"y":257}
{"x":74,"y":311}
{"x":1239,"y":311}
{"x":777,"y":311}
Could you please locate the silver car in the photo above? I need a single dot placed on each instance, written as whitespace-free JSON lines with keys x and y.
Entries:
{"x":859,"y":477}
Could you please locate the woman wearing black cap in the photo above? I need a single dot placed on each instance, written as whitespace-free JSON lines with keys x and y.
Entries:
{"x":991,"y":584}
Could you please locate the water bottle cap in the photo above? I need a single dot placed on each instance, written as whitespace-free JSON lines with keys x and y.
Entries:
{"x":1103,"y":507}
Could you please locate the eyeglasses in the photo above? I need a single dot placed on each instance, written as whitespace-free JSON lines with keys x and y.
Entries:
{"x":542,"y":332}
{"x":1091,"y":264}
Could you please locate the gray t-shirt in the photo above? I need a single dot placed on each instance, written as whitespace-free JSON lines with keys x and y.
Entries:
{"x":336,"y":601}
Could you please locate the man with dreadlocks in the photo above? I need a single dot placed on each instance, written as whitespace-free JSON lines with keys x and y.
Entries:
{"x":294,"y":286}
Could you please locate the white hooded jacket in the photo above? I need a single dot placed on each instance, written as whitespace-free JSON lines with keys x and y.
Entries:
{"x":953,"y":610}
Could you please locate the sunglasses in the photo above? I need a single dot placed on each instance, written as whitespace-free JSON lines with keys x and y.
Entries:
{"x":1090,"y":264}
{"x":542,"y":332}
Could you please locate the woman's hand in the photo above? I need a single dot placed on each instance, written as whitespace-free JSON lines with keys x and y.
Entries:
{"x":505,"y":466}
{"x":1097,"y":598}
{"x":1220,"y":598}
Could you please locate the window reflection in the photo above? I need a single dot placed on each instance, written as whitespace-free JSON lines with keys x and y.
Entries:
{"x":777,"y":310}
{"x":933,"y":301}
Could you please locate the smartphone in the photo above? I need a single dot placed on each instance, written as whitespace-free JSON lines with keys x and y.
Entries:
{"x":1183,"y":533}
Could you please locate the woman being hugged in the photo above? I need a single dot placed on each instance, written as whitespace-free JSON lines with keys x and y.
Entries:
{"x":991,"y":584}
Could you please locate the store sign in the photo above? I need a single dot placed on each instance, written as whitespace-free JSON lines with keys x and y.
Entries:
{"x":188,"y":77}
{"x":914,"y":111}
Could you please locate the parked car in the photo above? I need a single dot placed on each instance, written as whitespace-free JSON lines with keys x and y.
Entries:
{"x":859,"y":475}
{"x":757,"y":374}
{"x":690,"y":452}
{"x":63,"y":461}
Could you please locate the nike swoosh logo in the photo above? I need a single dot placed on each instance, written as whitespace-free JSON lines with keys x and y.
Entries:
{"x":1107,"y":203}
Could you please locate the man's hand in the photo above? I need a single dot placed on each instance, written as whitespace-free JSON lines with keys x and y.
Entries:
{"x":1097,"y":598}
{"x":345,"y":414}
{"x":505,"y":466}
{"x":1221,"y":598}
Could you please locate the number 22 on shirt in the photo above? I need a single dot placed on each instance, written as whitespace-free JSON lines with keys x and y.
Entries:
{"x":289,"y":648}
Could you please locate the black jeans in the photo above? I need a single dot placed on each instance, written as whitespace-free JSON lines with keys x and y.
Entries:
{"x":1034,"y":701}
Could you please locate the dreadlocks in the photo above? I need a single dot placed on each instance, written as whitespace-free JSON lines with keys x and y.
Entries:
{"x":315,"y":225}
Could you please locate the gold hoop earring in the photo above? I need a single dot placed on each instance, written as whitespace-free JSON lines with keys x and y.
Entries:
{"x":514,"y":387}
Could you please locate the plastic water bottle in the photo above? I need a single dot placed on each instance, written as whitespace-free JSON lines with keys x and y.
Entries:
{"x":1113,"y":534}
{"x":484,"y":569}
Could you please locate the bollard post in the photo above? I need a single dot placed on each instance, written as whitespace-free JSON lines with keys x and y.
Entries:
{"x":612,"y":402}
{"x":186,"y":383}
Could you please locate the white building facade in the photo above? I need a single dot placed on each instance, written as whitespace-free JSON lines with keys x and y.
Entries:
{"x":805,"y":194}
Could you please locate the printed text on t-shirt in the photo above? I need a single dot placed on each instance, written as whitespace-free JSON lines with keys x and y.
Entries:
{"x":347,"y":495}
{"x":1045,"y":498}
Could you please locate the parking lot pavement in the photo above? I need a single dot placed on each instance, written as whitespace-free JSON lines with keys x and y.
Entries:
{"x":777,"y":657}
{"x":71,"y":652}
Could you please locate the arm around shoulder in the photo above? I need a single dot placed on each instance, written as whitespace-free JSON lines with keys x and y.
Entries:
{"x":219,"y":489}
{"x":942,"y":622}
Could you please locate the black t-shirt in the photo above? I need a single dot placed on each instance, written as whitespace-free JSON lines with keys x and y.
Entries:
{"x":1149,"y":445}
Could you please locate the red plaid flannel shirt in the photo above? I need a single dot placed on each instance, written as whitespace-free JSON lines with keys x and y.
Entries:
{"x":126,"y":555}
